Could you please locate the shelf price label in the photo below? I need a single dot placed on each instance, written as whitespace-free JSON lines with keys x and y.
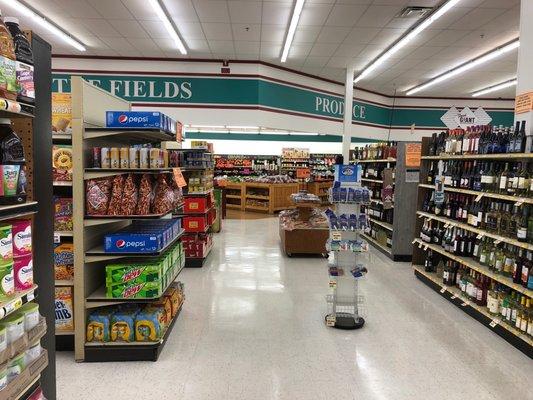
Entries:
{"x":332,"y":284}
{"x":454,"y":296}
{"x":178,"y":177}
{"x":494,"y":322}
{"x":443,"y":289}
{"x":479,"y":196}
{"x":57,"y":238}
{"x":30,"y":296}
{"x":336,"y":236}
{"x":330,"y":320}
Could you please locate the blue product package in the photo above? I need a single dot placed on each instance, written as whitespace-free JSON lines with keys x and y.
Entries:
{"x":126,"y":242}
{"x":347,"y":173}
{"x":134,"y":119}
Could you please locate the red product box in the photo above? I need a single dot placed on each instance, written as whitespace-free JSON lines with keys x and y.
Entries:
{"x":195,"y":205}
{"x":195,"y":223}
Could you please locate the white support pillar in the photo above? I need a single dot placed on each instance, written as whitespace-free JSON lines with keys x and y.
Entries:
{"x":525,"y":63}
{"x":348,"y":105}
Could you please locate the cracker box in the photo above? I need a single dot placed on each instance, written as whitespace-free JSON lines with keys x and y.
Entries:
{"x":62,"y":113}
{"x":64,"y":309}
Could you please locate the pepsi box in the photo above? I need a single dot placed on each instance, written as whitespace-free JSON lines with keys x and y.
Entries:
{"x":136,"y":119}
{"x":126,"y":242}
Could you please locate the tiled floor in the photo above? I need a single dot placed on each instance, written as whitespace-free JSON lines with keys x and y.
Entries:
{"x":253,"y":328}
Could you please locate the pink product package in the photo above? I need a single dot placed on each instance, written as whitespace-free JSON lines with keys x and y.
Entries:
{"x":21,"y":238}
{"x":23,"y":269}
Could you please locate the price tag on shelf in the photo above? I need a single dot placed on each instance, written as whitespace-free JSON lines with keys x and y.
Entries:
{"x":519,"y":203}
{"x":414,"y":241}
{"x":332,"y":284}
{"x":336,"y":236}
{"x":479,"y":196}
{"x":463,"y":304}
{"x":57,"y":238}
{"x":425,"y":247}
{"x":330,"y":320}
{"x":497,"y":242}
{"x":13,"y":305}
{"x":419,"y":245}
{"x":454,"y":296}
{"x":443,"y":289}
{"x":479,"y":236}
{"x":178,"y":177}
{"x":494,"y":322}
{"x":421,"y":216}
{"x":30,"y":296}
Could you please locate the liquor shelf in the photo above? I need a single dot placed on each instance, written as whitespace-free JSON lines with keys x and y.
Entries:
{"x":383,"y":224}
{"x":504,"y":156}
{"x":384,"y":249}
{"x":476,"y":266}
{"x":517,"y":199}
{"x":372,"y":180}
{"x":454,"y":295}
{"x":385,"y":160}
{"x":470,"y":228}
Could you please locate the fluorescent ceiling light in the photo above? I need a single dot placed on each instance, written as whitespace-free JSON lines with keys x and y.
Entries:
{"x":467,"y":66}
{"x":292,"y":28}
{"x":169,"y":26}
{"x":495,"y":88}
{"x":25,"y":10}
{"x":406,"y":39}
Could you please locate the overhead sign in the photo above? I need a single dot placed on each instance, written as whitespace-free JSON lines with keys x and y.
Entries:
{"x":453,"y":118}
{"x":523,"y":103}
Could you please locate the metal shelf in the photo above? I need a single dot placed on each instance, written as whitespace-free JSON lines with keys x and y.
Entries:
{"x":381,"y":223}
{"x":482,"y":232}
{"x":93,"y":173}
{"x":385,"y":160}
{"x":516,"y":199}
{"x":522,"y":342}
{"x":17,"y":210}
{"x":473,"y":264}
{"x":505,"y":156}
{"x":10,"y":304}
{"x":128,"y":133}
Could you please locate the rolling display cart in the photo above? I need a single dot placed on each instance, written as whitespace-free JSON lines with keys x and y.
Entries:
{"x":346,"y":223}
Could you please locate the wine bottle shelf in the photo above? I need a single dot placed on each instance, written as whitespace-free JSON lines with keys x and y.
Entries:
{"x":385,"y":160}
{"x":377,"y":244}
{"x":473,"y":264}
{"x":504,"y":156}
{"x":379,"y":202}
{"x":481,"y":232}
{"x":517,"y":199}
{"x":381,"y":223}
{"x":521,"y":341}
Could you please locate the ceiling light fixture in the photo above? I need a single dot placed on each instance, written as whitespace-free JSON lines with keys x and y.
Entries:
{"x":467,"y":66}
{"x":495,"y":88}
{"x":406,"y":39}
{"x":27,"y":11}
{"x":292,"y":28}
{"x":169,"y":25}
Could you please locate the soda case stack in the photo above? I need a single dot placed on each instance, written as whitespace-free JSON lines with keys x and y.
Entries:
{"x":16,"y":64}
{"x":346,"y":223}
{"x":141,"y":119}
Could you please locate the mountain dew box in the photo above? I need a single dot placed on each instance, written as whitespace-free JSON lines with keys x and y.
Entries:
{"x":138,"y":272}
{"x":142,"y":290}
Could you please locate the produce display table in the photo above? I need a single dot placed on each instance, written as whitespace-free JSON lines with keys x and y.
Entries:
{"x":320,"y":189}
{"x":264,"y":197}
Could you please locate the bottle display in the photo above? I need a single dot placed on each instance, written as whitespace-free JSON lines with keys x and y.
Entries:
{"x":377,"y":151}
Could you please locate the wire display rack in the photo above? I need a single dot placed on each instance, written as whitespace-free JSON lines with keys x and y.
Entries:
{"x":346,"y":306}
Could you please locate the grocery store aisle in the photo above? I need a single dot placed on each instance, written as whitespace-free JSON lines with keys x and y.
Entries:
{"x":252,"y":328}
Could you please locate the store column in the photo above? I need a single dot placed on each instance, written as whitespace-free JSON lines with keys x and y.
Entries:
{"x":524,"y":87}
{"x":348,"y":104}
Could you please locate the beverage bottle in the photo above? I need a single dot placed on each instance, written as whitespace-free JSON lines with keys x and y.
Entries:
{"x":8,"y":77}
{"x":12,"y":165}
{"x":24,"y":64}
{"x":520,"y":143}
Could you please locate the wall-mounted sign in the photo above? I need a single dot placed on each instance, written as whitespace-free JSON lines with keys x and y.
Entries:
{"x":453,"y":118}
{"x":523,"y":103}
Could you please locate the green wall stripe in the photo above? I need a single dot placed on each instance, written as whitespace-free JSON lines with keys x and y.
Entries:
{"x":272,"y":138}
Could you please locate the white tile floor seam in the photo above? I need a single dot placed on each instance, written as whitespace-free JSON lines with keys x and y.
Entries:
{"x":253,"y":327}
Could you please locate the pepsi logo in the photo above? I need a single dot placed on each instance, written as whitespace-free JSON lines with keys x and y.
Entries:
{"x":120,"y":243}
{"x":123,"y":119}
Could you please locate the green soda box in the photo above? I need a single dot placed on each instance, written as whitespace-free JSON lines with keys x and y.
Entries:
{"x":138,"y":272}
{"x":135,"y":290}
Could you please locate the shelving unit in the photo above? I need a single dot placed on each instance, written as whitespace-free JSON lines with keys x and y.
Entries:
{"x":450,"y":292}
{"x":31,"y":123}
{"x":247,"y":165}
{"x":322,"y":166}
{"x":89,"y":106}
{"x":392,"y":239}
{"x":268,"y":197}
{"x":320,"y":189}
{"x":293,"y":159}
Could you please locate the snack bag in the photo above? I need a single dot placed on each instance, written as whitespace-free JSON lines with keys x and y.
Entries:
{"x":130,"y":195}
{"x":115,"y":204}
{"x":62,"y":163}
{"x":145,"y":195}
{"x":98,"y":325}
{"x":97,"y":195}
{"x":64,"y":313}
{"x":165,"y":304}
{"x":149,"y":324}
{"x":64,"y":261}
{"x":123,"y":325}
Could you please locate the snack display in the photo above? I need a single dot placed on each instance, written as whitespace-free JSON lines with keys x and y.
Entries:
{"x":145,"y":194}
{"x":63,"y":214}
{"x":98,"y":194}
{"x":130,"y":196}
{"x":305,"y":197}
{"x":64,"y":309}
{"x":114,"y":206}
{"x":289,"y":220}
{"x":135,"y":322}
{"x":345,"y":222}
{"x":191,"y":159}
{"x":62,"y":163}
{"x":64,"y":261}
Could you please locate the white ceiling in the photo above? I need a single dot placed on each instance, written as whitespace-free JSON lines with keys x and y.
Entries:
{"x":330,"y":34}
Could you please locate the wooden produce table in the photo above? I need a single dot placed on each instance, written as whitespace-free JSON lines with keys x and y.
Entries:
{"x":320,"y":189}
{"x":304,"y":240}
{"x":267,"y":197}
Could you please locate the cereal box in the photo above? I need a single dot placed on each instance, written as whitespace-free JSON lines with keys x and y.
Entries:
{"x":64,"y":261}
{"x":63,"y":214}
{"x":61,"y":113}
{"x":62,"y":163}
{"x":64,"y":309}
